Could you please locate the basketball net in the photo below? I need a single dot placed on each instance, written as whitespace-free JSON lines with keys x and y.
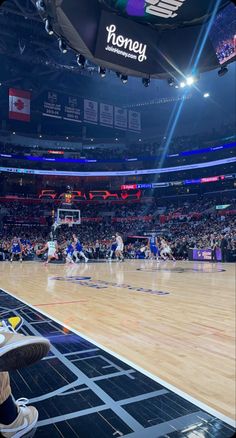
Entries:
{"x":67,"y":221}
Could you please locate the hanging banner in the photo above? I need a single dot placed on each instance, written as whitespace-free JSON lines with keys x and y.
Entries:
{"x":19,"y":105}
{"x":52,"y":106}
{"x":73,"y":109}
{"x":121,"y":117}
{"x":90,"y":111}
{"x":134,"y":121}
{"x":106,"y":115}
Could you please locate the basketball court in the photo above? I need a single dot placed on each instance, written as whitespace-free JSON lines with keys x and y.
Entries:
{"x":170,"y":323}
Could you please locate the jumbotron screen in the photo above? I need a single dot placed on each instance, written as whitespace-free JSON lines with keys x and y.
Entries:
{"x":223,"y":34}
{"x":165,"y":12}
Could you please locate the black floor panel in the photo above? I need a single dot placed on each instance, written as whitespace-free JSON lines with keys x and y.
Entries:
{"x":82,"y":391}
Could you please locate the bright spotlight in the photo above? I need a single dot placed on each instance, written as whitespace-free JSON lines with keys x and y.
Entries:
{"x":124,"y":79}
{"x":62,"y":46}
{"x":102,"y":72}
{"x":205,"y":95}
{"x":48,"y":27}
{"x":182,"y":84}
{"x":190,"y":80}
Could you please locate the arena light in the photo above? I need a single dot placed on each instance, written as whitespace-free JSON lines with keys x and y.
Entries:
{"x":206,"y":95}
{"x":80,"y":60}
{"x":190,"y":80}
{"x":223,"y":71}
{"x":124,"y":79}
{"x":40,"y":5}
{"x":48,"y":27}
{"x":182,"y":84}
{"x":171,"y":82}
{"x":102,"y":72}
{"x":62,"y":46}
{"x":146,"y":82}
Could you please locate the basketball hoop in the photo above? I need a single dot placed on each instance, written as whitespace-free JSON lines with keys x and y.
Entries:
{"x":69,"y":217}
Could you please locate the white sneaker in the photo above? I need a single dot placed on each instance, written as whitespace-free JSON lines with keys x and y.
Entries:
{"x":18,"y":351}
{"x":24,"y":422}
{"x":86,"y":260}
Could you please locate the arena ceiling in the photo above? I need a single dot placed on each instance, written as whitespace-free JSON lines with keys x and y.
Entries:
{"x":146,"y":38}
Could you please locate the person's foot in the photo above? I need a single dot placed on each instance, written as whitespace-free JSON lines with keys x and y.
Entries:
{"x":86,"y":260}
{"x":14,"y":323}
{"x":25,"y":421}
{"x":18,"y":351}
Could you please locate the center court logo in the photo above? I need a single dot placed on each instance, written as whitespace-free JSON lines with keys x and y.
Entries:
{"x":100,"y":284}
{"x":125,"y":46}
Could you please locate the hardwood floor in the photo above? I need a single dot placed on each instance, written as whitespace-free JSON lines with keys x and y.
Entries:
{"x":185,"y":337}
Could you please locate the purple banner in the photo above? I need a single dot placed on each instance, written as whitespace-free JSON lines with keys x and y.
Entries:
{"x":205,"y":254}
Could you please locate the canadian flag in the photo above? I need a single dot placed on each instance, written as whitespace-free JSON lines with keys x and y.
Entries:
{"x":19,"y":105}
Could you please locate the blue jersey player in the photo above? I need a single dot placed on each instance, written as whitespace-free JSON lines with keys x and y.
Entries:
{"x":113,"y":248}
{"x":69,"y":253}
{"x":153,"y":246}
{"x":16,"y":249}
{"x":78,"y":249}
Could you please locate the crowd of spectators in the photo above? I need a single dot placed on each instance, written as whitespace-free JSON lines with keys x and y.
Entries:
{"x":140,"y":148}
{"x":191,"y":225}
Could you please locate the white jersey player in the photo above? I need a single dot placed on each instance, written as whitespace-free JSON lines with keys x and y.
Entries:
{"x":120,"y":247}
{"x":51,"y":247}
{"x":166,"y":250}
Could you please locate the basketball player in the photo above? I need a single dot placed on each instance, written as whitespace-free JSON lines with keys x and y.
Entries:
{"x":51,"y":247}
{"x":69,"y":253}
{"x":166,"y":250}
{"x":119,"y":248}
{"x":78,"y":249}
{"x":153,"y":246}
{"x":16,"y":249}
{"x":113,"y":247}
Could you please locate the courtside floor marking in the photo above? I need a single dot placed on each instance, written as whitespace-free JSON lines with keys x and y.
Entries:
{"x":167,"y":385}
